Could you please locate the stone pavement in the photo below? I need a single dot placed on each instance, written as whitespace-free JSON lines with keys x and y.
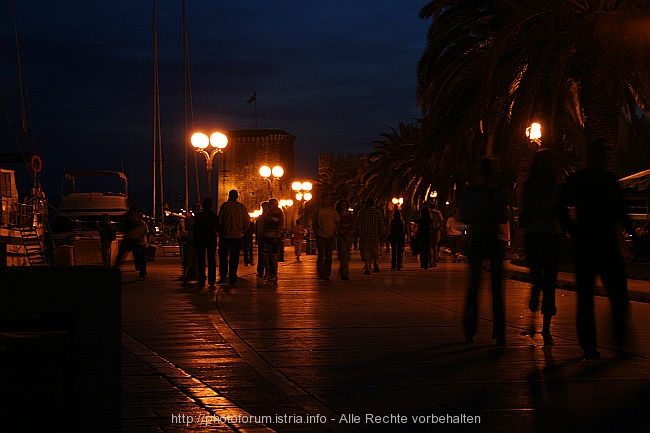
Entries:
{"x":378,"y":353}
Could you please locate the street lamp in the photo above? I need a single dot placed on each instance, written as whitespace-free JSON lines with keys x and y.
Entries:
{"x":398,"y":202}
{"x":209,"y":147}
{"x":534,"y":133}
{"x":270,"y":174}
{"x":303,"y":194}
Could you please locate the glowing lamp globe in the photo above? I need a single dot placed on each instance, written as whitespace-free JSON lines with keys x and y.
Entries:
{"x":200,"y":140}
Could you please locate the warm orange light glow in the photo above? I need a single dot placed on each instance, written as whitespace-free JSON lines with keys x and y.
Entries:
{"x":218,"y":140}
{"x":301,"y":186}
{"x":277,"y":171}
{"x":265,"y":171}
{"x":534,"y":131}
{"x":200,"y":140}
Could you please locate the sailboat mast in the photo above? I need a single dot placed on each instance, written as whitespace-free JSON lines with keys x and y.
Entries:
{"x":189,"y":112}
{"x":186,"y":91}
{"x":157,"y":132}
{"x":155,"y":108}
{"x":185,"y":73}
{"x":21,"y":86}
{"x":21,"y":99}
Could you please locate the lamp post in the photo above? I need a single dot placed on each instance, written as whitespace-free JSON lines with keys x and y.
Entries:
{"x":285,"y":204}
{"x":271,"y":174}
{"x":398,"y":202}
{"x":303,"y":194}
{"x":534,"y":133}
{"x":209,"y":148}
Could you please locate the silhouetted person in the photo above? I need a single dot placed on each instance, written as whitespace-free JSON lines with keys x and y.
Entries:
{"x":326,"y":225}
{"x":134,"y":241}
{"x":187,"y":238}
{"x":397,"y":230}
{"x":247,"y":245}
{"x":107,"y":235}
{"x":543,"y":216}
{"x":370,"y":232}
{"x":345,"y":237}
{"x":483,"y":208}
{"x":262,"y":271}
{"x":233,"y":222}
{"x":272,"y":239}
{"x":423,"y":237}
{"x":206,"y":226}
{"x":454,"y":234}
{"x":600,"y":211}
{"x":437,"y":224}
{"x":412,"y":237}
{"x":298,"y":236}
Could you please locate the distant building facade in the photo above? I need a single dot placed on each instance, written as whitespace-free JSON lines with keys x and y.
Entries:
{"x":239,"y":165}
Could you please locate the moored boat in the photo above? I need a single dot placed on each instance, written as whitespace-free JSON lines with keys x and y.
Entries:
{"x":22,"y":218}
{"x":88,"y":196}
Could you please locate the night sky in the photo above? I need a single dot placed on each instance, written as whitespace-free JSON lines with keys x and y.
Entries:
{"x":336,"y":74}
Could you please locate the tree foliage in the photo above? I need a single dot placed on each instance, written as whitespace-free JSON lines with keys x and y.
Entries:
{"x":492,"y":67}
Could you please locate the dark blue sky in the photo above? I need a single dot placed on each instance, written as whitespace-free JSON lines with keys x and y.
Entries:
{"x":336,"y":74}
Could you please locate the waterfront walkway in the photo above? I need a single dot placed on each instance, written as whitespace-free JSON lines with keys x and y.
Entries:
{"x":378,"y":353}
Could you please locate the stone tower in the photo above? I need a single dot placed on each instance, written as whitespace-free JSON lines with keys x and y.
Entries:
{"x":239,"y":165}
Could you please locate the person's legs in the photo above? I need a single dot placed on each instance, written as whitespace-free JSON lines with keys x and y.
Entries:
{"x":273,"y":258}
{"x":393,"y":255}
{"x":200,"y":261}
{"x":498,"y":306}
{"x":261,"y":270}
{"x":425,"y":255}
{"x":265,"y":261}
{"x":224,"y":246}
{"x":534,"y":262}
{"x":297,"y":247}
{"x":585,"y":319}
{"x":125,"y":246}
{"x":614,"y":277}
{"x":211,"y":250}
{"x":470,"y":315}
{"x":434,"y":248}
{"x":233,"y":265}
{"x":366,"y":255}
{"x":344,"y":257}
{"x":320,"y":261}
{"x":327,"y":260}
{"x":140,"y":255}
{"x":248,"y":252}
{"x":273,"y":267}
{"x":106,"y":252}
{"x":551,"y":266}
{"x":399,"y":246}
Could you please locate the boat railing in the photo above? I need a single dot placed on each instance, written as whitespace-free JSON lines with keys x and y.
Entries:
{"x":21,"y":215}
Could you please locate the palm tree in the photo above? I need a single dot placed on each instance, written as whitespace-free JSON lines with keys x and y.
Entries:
{"x":395,"y":168}
{"x":491,"y":67}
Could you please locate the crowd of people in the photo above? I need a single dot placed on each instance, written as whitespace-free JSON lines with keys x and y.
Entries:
{"x":595,"y":231}
{"x":211,"y":241}
{"x":478,"y":224}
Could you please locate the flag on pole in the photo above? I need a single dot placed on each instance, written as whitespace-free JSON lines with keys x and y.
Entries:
{"x":252,"y":98}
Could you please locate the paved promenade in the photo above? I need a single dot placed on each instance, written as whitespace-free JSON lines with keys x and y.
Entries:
{"x":378,"y":353}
